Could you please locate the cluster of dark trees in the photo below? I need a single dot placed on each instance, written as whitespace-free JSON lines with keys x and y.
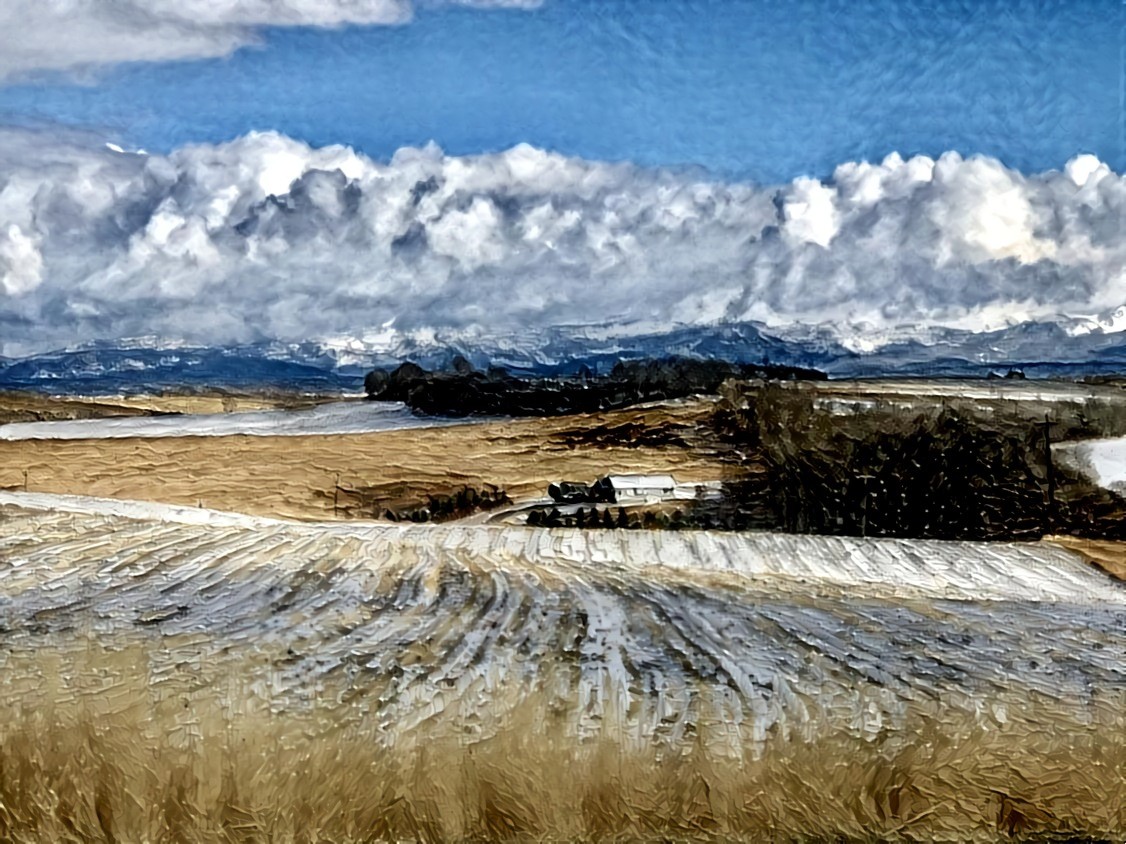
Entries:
{"x":949,"y":470}
{"x":944,"y":472}
{"x":457,"y":505}
{"x":465,"y":391}
{"x":940,"y":477}
{"x":940,"y":470}
{"x":604,"y":519}
{"x":572,"y":492}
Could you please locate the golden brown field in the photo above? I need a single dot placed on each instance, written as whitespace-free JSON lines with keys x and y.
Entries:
{"x":295,"y":477}
{"x":203,"y":677}
{"x":95,"y":748}
{"x":207,"y":403}
{"x":209,"y":678}
{"x":35,"y":407}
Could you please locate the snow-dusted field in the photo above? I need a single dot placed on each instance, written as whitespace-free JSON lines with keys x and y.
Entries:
{"x":972,"y":388}
{"x":658,"y":629}
{"x":379,"y":674}
{"x":1103,"y":461}
{"x":351,"y":417}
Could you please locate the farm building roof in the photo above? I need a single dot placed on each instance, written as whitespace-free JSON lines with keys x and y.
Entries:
{"x":641,"y":481}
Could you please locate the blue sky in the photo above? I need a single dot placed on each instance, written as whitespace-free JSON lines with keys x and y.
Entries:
{"x":759,"y":90}
{"x":250,"y":218}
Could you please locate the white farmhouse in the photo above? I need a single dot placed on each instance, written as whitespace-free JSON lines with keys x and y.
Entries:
{"x":613,"y":488}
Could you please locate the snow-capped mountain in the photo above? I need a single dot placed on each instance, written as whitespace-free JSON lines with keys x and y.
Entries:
{"x":1067,"y":347}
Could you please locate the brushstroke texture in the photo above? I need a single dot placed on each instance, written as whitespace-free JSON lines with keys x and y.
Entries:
{"x":699,"y":650}
{"x":267,"y":238}
{"x":77,"y":35}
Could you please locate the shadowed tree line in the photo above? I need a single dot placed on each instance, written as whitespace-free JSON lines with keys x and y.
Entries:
{"x":465,"y":391}
{"x":948,"y":471}
{"x":456,"y":505}
{"x":605,"y":518}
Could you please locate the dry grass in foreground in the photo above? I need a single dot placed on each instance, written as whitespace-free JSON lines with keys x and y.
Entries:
{"x":295,"y":477}
{"x":93,"y":748}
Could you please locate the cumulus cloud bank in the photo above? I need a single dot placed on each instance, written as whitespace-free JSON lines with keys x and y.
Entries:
{"x":265,"y":237}
{"x":78,"y":34}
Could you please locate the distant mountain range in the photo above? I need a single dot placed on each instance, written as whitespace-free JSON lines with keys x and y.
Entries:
{"x":1066,"y":348}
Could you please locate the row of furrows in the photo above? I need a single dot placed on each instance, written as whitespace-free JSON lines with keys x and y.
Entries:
{"x":138,"y":581}
{"x":37,"y":563}
{"x":465,"y":626}
{"x":508,"y":624}
{"x":910,"y":648}
{"x":1022,"y":571}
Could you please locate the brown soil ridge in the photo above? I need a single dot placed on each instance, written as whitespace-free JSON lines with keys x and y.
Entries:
{"x":1105,"y":554}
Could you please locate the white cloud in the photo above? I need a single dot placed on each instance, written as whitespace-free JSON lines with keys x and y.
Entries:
{"x":811,"y":212}
{"x":72,"y":35}
{"x":1083,"y":168}
{"x":265,"y":237}
{"x":21,"y":265}
{"x":489,"y":4}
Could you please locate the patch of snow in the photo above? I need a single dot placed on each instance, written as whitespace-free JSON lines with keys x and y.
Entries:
{"x":1103,"y":461}
{"x":127,"y":509}
{"x":350,"y":417}
{"x":1036,"y":572}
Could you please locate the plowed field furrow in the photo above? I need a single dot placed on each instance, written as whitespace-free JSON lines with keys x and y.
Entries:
{"x":662,"y":636}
